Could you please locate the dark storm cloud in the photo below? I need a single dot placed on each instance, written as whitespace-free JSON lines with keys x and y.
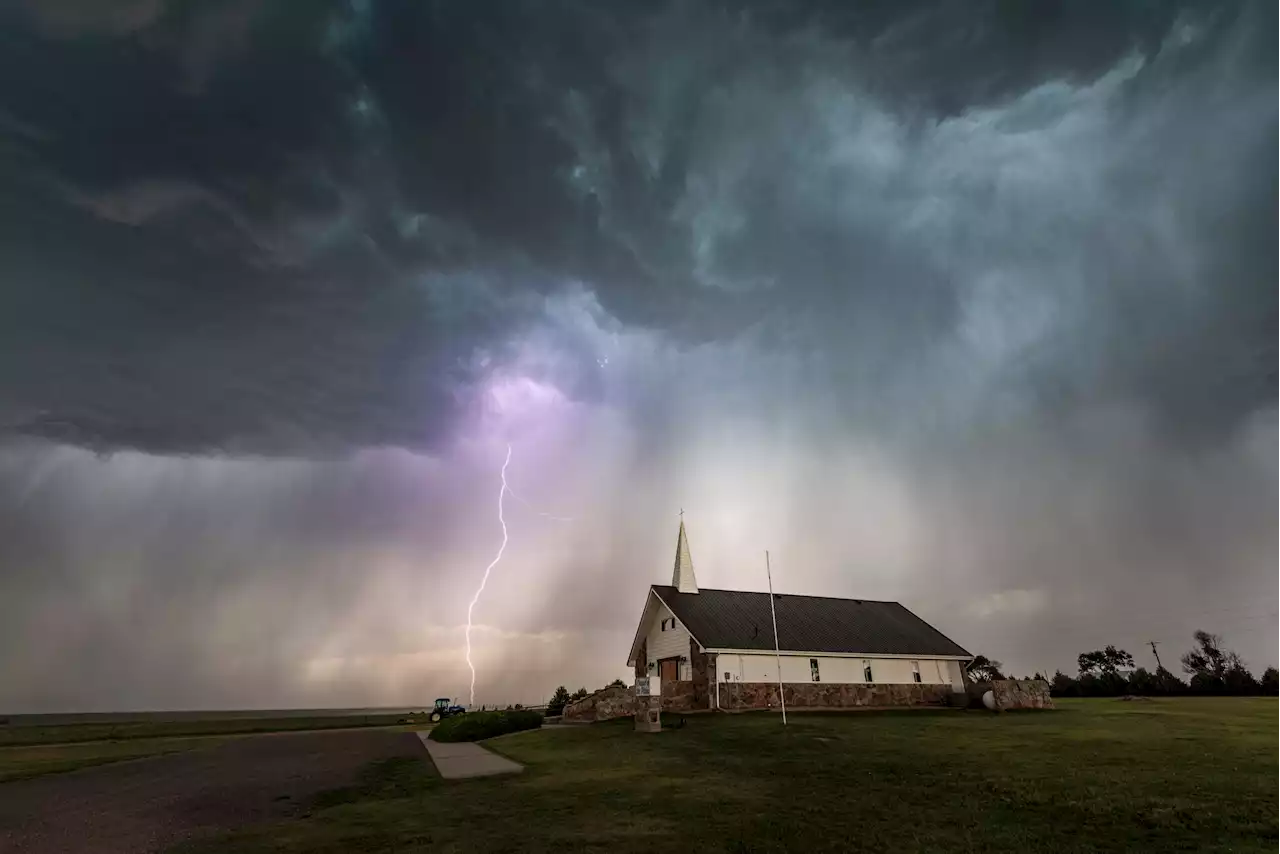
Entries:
{"x":966,"y":304}
{"x":252,"y":195}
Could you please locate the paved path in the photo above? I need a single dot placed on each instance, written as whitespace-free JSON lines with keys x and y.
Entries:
{"x":148,"y":805}
{"x":467,"y":759}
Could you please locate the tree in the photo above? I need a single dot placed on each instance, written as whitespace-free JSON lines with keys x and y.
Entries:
{"x":1063,"y":686}
{"x":983,"y":669}
{"x":1100,"y":672}
{"x":1215,"y":670}
{"x":559,"y":700}
{"x":1167,"y":683}
{"x":1096,"y":686}
{"x":1210,"y":660}
{"x":1206,"y":683}
{"x":579,"y":694}
{"x":1238,"y":680}
{"x":617,"y":683}
{"x":1104,"y":661}
{"x":1143,"y":682}
{"x":1270,"y":682}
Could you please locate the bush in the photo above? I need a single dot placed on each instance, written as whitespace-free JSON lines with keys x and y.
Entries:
{"x":1270,"y":682}
{"x":475,"y":726}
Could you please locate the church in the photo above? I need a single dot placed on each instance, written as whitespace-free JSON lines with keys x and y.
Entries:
{"x":714,"y":649}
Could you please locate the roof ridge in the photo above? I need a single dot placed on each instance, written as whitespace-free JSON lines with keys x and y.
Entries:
{"x":792,"y":595}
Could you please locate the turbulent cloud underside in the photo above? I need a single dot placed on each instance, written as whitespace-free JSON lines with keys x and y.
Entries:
{"x":966,"y":305}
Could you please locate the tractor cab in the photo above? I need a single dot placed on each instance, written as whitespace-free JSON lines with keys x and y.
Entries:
{"x":443,"y":709}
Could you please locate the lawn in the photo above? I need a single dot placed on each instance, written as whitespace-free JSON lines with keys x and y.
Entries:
{"x":1096,"y":775}
{"x":150,"y":729}
{"x":17,"y":763}
{"x":29,"y":751}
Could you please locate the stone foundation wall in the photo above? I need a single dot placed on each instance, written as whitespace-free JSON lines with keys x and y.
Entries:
{"x":702,"y":666}
{"x":603,"y":705}
{"x":1021,"y":694}
{"x":735,"y":696}
{"x":679,"y":697}
{"x":617,"y":702}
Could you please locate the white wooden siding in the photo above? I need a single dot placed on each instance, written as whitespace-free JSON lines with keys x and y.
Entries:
{"x":670,"y":643}
{"x":955,"y":674}
{"x":795,"y":668}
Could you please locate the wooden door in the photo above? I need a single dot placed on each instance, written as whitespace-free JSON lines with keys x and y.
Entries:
{"x":669,"y":669}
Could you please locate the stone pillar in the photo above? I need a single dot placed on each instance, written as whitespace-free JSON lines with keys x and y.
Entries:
{"x":648,"y":704}
{"x":642,"y":659}
{"x":648,"y":714}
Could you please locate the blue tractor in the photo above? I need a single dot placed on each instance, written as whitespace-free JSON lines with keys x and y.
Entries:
{"x":443,"y":710}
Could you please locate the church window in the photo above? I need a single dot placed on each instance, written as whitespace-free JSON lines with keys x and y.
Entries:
{"x":866,"y":671}
{"x":813,"y":670}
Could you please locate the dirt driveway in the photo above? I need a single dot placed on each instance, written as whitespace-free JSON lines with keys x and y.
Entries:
{"x":150,"y":804}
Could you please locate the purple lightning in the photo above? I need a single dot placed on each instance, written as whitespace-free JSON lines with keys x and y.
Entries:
{"x":502,"y":493}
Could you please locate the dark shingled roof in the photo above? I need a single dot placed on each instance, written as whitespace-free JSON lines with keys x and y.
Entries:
{"x":732,"y":619}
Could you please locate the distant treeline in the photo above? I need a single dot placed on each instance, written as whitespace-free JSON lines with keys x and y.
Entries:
{"x":1211,"y":669}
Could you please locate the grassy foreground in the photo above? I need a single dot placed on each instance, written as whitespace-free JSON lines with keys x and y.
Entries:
{"x":69,"y":733}
{"x":29,"y":751}
{"x":17,"y":763}
{"x":1097,"y":775}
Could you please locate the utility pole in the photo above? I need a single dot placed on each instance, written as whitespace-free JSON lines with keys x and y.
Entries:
{"x":1159,"y":666}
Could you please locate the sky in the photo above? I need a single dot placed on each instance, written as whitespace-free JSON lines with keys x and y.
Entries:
{"x":970,"y":306}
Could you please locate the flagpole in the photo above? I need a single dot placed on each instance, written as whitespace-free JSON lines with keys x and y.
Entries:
{"x":776,"y":650}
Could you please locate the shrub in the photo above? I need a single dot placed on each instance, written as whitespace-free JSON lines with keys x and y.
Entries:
{"x":1269,"y":684}
{"x":475,"y":726}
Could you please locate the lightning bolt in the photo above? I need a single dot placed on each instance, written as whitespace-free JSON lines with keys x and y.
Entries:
{"x":502,"y":493}
{"x":502,"y":520}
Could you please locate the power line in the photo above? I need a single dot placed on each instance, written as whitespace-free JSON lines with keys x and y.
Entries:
{"x":1142,"y":635}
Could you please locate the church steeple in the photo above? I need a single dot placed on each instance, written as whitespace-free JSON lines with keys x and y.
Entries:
{"x":682,"y":578}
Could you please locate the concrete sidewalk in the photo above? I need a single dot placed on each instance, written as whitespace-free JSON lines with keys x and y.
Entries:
{"x":466,"y":759}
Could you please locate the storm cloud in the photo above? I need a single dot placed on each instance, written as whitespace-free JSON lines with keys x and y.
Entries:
{"x":971,"y":306}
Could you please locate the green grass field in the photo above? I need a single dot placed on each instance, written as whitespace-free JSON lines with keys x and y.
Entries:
{"x":17,"y":763}
{"x":1096,"y":775}
{"x":29,"y":751}
{"x":118,"y":731}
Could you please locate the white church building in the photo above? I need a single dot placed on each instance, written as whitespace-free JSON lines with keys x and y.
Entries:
{"x":714,"y":649}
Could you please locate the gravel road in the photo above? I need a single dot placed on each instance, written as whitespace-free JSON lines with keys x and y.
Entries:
{"x":149,"y":804}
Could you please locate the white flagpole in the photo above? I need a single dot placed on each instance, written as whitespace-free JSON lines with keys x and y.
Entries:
{"x":776,"y":651}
